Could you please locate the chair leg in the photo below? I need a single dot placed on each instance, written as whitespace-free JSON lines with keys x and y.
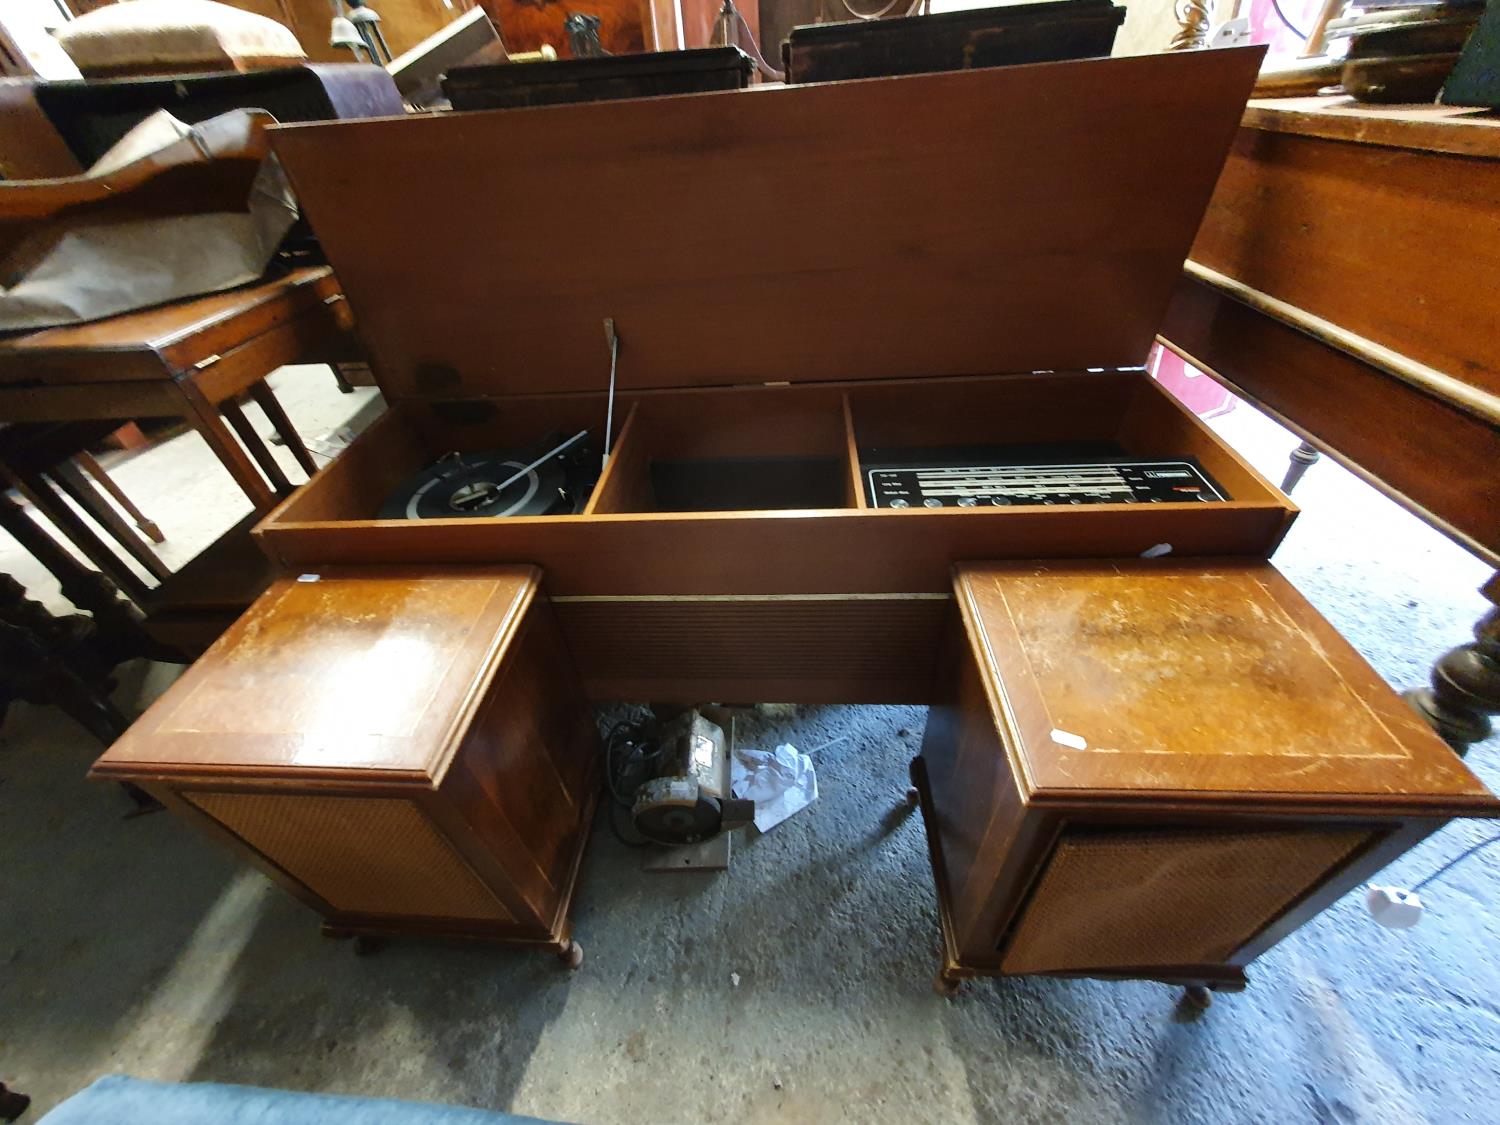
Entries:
{"x":69,"y":477}
{"x":251,"y":441}
{"x":266,"y":399}
{"x":121,"y":625}
{"x":39,"y":491}
{"x":205,"y":419}
{"x":148,"y":527}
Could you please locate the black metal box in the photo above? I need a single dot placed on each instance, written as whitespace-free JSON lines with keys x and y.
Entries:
{"x":1024,"y":33}
{"x":518,"y":85}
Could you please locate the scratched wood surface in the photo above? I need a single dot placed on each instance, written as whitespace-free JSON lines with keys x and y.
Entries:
{"x":1154,"y":679}
{"x":359,"y":671}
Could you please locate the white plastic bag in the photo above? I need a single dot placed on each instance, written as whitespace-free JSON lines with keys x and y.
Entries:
{"x":780,"y":783}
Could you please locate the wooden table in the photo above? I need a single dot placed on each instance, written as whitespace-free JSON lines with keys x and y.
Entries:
{"x":1344,"y":280}
{"x":191,"y":359}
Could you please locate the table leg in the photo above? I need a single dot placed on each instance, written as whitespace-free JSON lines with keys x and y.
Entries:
{"x":148,"y":526}
{"x":205,"y":419}
{"x":251,"y":441}
{"x":39,"y":491}
{"x":266,"y":399}
{"x":1465,"y":688}
{"x":1304,"y":457}
{"x":71,"y":480}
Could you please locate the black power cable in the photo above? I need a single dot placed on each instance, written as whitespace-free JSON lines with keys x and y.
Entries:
{"x":1290,"y":26}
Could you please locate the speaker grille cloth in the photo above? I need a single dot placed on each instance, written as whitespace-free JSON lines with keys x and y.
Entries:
{"x":361,"y":855}
{"x":1119,"y":900}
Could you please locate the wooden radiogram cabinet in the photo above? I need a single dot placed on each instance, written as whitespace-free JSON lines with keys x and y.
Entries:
{"x":972,"y":259}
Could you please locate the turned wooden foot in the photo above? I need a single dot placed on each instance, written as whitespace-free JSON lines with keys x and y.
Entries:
{"x":571,"y":955}
{"x":1465,"y":688}
{"x":1197,"y":997}
{"x":1302,"y":458}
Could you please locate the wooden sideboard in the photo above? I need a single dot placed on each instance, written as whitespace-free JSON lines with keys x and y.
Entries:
{"x":1344,"y":280}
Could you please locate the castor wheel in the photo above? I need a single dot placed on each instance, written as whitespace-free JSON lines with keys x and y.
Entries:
{"x":571,"y":955}
{"x":367,"y":946}
{"x":913,"y":796}
{"x":945,"y":986}
{"x":1198,"y":997}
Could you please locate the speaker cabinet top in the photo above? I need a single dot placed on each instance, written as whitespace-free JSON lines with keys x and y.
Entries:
{"x":1178,"y":682}
{"x":354,"y":674}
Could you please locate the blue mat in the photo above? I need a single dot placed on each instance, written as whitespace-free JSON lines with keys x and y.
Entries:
{"x":118,"y":1100}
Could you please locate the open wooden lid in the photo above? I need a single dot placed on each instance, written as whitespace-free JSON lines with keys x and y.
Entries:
{"x":978,"y":222}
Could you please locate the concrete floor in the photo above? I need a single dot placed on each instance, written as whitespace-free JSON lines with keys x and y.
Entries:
{"x":134,"y":946}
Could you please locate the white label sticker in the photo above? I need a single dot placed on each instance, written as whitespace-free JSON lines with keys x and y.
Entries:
{"x":1069,"y":739}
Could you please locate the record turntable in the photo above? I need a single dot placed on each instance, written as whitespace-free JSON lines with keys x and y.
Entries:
{"x":552,"y":478}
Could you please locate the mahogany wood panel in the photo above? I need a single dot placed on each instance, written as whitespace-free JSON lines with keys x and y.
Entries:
{"x":625,"y":26}
{"x":1429,"y":454}
{"x":976,"y":814}
{"x":30,"y":147}
{"x":1148,"y":738}
{"x":819,"y":649}
{"x":354,"y":732}
{"x":1461,"y":130}
{"x":1201,"y":680}
{"x":526,"y":778}
{"x":625,"y":483}
{"x":355,"y":672}
{"x":162,"y":342}
{"x":813,"y":552}
{"x":1373,"y":222}
{"x":1009,"y":219}
{"x":83,"y":401}
{"x":617,"y":548}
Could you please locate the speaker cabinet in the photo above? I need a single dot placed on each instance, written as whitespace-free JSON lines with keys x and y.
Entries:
{"x":1154,"y":770}
{"x":405,"y":753}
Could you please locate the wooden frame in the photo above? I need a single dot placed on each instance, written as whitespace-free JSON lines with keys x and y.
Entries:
{"x":814,"y":605}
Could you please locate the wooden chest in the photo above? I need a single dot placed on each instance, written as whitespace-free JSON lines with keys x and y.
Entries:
{"x":405,"y":751}
{"x":1160,"y":770}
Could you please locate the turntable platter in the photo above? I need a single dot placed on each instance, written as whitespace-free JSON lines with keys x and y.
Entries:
{"x":474,"y":485}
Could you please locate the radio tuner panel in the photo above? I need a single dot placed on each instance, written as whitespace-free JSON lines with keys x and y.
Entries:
{"x":1003,"y":476}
